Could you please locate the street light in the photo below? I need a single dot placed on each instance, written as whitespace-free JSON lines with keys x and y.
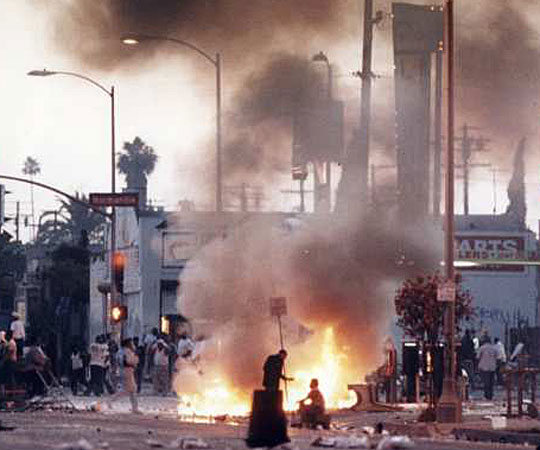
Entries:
{"x":110,"y":93}
{"x":449,"y":407}
{"x":135,"y":39}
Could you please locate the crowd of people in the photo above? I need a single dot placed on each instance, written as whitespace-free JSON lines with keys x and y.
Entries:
{"x":104,"y":367}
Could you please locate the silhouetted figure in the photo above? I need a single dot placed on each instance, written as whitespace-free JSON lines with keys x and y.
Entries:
{"x":273,"y":371}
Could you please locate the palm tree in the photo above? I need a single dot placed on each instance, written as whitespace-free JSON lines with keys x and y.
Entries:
{"x":31,"y":167}
{"x":137,"y":162}
{"x":73,"y":223}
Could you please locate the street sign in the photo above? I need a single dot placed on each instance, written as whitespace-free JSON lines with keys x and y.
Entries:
{"x":278,"y":306}
{"x":116,"y":199}
{"x":446,"y":291}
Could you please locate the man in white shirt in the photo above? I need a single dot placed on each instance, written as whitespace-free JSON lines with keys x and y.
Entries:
{"x":487,"y":364}
{"x":99,"y":353}
{"x":17,"y":327}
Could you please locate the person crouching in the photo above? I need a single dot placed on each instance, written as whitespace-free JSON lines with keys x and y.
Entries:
{"x":312,"y":408}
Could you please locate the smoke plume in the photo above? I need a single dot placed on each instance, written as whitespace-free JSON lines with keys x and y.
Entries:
{"x":333,"y":274}
{"x":91,"y":30}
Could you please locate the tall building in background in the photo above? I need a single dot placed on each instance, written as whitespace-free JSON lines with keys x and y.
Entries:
{"x":418,"y":34}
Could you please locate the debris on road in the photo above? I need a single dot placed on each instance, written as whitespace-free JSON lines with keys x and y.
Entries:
{"x":189,"y":443}
{"x":81,"y":444}
{"x":395,"y":443}
{"x":342,"y":442}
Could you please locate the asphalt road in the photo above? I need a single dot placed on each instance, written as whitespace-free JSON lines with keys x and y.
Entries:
{"x":50,"y":430}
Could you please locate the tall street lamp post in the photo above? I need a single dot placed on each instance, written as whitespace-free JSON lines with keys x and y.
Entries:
{"x":135,"y":39}
{"x":110,"y":93}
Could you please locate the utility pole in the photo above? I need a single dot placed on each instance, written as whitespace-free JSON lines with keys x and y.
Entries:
{"x":365,"y":111}
{"x":467,"y":149}
{"x":494,"y":172}
{"x":17,"y":224}
{"x":438,"y":133}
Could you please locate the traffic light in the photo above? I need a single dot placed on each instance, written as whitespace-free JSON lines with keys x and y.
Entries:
{"x":119,"y":313}
{"x":119,"y":263}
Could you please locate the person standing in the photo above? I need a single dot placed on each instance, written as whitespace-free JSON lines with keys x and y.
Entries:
{"x":141,"y":353}
{"x":17,"y":328}
{"x":161,"y":368}
{"x":148,"y":341}
{"x":487,"y":364}
{"x":129,"y":385}
{"x":77,"y":370}
{"x":9,"y":362}
{"x":273,"y":371}
{"x":98,"y":361}
{"x":467,"y":356}
{"x":501,"y":360}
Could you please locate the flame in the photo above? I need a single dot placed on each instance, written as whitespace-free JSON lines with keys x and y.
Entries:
{"x":320,"y":358}
{"x":330,"y":366}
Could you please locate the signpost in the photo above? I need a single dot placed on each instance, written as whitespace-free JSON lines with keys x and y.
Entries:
{"x":114,"y":199}
{"x":278,"y":308}
{"x":446,"y":291}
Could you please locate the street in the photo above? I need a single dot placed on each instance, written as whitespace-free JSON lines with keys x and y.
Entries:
{"x":158,"y":427}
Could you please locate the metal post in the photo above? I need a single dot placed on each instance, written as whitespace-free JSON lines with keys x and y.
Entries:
{"x":302,"y":196}
{"x":113,"y":212}
{"x":438,"y":135}
{"x":465,"y":155}
{"x":219,"y":195}
{"x":449,"y":406}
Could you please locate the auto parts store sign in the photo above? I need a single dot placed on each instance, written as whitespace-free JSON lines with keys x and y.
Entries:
{"x":491,"y":249}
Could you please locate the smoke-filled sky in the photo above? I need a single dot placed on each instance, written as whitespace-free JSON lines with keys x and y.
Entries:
{"x":166,"y":94}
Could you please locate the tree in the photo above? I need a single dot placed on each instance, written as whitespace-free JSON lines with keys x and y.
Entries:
{"x":72,"y":223}
{"x":136,"y":163}
{"x":31,"y":167}
{"x":420,"y":314}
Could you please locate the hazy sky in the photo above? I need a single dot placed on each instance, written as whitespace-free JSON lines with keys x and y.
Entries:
{"x":64,"y":122}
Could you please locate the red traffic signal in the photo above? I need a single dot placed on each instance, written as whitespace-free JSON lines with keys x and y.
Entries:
{"x":119,"y":313}
{"x":119,"y":263}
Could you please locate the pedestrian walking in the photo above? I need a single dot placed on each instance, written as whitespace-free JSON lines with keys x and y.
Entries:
{"x":17,"y":328}
{"x":129,"y":386}
{"x":501,"y":360}
{"x":487,"y":364}
{"x":467,"y":356}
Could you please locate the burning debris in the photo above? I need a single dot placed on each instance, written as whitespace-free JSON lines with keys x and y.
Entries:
{"x":338,"y":278}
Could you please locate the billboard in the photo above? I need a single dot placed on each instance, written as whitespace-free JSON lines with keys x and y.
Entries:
{"x":491,"y":247}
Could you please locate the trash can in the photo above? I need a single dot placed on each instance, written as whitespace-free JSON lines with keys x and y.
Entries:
{"x":268,"y":423}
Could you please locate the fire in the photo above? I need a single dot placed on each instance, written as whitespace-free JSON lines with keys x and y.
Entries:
{"x":216,"y":399}
{"x":329,"y":365}
{"x":320,"y":358}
